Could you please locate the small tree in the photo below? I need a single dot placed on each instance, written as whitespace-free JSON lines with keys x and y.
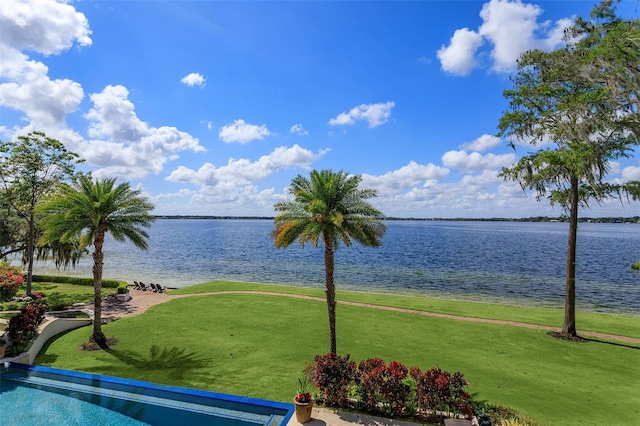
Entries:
{"x":29,"y":170}
{"x":90,"y":210}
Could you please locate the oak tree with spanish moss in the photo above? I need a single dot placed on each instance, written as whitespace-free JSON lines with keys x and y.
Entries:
{"x":583,"y":101}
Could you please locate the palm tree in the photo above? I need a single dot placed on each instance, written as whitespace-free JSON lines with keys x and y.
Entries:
{"x":89,"y":210}
{"x":330,"y":206}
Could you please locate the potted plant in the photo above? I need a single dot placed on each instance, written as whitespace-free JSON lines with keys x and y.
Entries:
{"x":303,"y":402}
{"x":123,"y":293}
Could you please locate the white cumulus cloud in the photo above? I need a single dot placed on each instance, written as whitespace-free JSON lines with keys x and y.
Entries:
{"x":244,"y":171}
{"x":459,"y":56}
{"x":297,"y":129}
{"x":193,"y":79}
{"x":482,"y":143}
{"x":406,"y":177}
{"x":476,"y":161}
{"x":180,"y":194}
{"x":374,"y":114}
{"x":233,"y":188}
{"x":242,"y":132}
{"x":125,"y":146}
{"x":631,"y":173}
{"x":45,"y":102}
{"x":511,"y":27}
{"x":235,"y":183}
{"x":113,"y":116}
{"x":45,"y":27}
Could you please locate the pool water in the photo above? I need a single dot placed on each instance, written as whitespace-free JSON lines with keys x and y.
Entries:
{"x":31,"y":395}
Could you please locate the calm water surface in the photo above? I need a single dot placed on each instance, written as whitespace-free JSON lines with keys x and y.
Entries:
{"x":513,"y":262}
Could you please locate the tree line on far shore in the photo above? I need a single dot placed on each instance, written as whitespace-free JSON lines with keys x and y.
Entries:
{"x":562,"y":218}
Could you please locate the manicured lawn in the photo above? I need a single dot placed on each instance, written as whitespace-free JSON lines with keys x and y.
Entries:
{"x":258,"y":345}
{"x":604,"y":323}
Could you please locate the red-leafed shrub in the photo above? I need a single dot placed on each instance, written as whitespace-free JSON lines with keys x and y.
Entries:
{"x":441,"y":391}
{"x":370,"y":377}
{"x":392,"y":390}
{"x":382,"y":388}
{"x":22,"y":327}
{"x":395,"y":391}
{"x":333,"y":375}
{"x":35,"y":295}
{"x":10,"y":280}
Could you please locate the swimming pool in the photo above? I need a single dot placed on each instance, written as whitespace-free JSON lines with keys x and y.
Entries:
{"x":32,"y":395}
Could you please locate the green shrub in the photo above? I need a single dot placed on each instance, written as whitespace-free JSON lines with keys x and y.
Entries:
{"x":122,"y":288}
{"x":492,"y":414}
{"x":636,"y":265}
{"x":11,"y":306}
{"x":74,"y":280}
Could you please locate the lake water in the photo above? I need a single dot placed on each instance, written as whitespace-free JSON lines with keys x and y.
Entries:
{"x":511,"y":262}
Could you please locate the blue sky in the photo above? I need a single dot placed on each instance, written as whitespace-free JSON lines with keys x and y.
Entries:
{"x":211,"y":108}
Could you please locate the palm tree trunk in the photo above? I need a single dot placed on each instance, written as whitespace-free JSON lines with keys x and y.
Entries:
{"x":331,"y":288}
{"x":569,"y":326}
{"x":98,"y":257}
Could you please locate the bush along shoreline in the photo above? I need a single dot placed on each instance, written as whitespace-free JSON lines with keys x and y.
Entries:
{"x":73,"y":280}
{"x":393,"y":390}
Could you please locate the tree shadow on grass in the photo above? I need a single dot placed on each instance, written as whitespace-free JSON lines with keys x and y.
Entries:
{"x":48,"y":359}
{"x":44,"y":358}
{"x":606,"y":342}
{"x":175,"y":362}
{"x":580,"y":339}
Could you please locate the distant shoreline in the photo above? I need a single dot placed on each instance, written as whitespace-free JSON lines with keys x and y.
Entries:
{"x":632,"y":219}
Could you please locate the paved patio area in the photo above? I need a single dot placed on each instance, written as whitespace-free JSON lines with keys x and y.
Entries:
{"x":328,"y":417}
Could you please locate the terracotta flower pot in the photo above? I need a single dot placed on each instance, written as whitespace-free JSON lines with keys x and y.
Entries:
{"x":303,"y":411}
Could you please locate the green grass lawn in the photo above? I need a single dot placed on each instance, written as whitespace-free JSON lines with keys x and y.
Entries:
{"x":258,"y":345}
{"x":59,"y":295}
{"x":604,"y":323}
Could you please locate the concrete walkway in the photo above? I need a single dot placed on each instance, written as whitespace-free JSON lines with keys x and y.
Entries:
{"x":328,"y":417}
